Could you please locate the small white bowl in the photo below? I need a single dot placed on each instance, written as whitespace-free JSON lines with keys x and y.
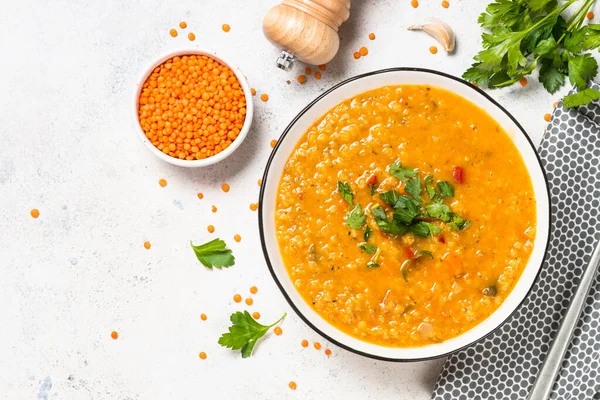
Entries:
{"x":327,"y":101}
{"x":212,"y":159}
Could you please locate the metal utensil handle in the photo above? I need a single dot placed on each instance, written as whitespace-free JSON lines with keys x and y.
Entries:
{"x":545,"y":380}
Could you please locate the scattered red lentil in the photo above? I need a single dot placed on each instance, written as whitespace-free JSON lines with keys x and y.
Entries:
{"x":237,"y":298}
{"x":249,"y":301}
{"x":307,"y":71}
{"x":237,"y":238}
{"x":259,"y":182}
{"x":547,"y":117}
{"x":301,"y":78}
{"x":590,"y":15}
{"x":200,"y":196}
{"x":173,"y":32}
{"x":414,"y":3}
{"x":225,"y":187}
{"x":304,"y":343}
{"x":278,"y":331}
{"x":203,"y":317}
{"x":192,"y":107}
{"x":256,"y":315}
{"x":183,"y":24}
{"x":202,"y":355}
{"x":445,"y":4}
{"x":273,"y":143}
{"x":264,"y":97}
{"x":253,"y":91}
{"x":162,"y":182}
{"x":147,"y":245}
{"x":292,"y":385}
{"x":372,"y":36}
{"x":323,"y":67}
{"x":35,"y":213}
{"x":253,"y":206}
{"x":191,"y":36}
{"x":317,"y":345}
{"x":226,"y":28}
{"x":211,"y":228}
{"x":363,"y":51}
{"x":555,"y":104}
{"x":327,"y":352}
{"x":523,"y":81}
{"x":214,"y":209}
{"x":433,"y":50}
{"x":317,"y":75}
{"x":114,"y":335}
{"x":356,"y":55}
{"x":253,"y":290}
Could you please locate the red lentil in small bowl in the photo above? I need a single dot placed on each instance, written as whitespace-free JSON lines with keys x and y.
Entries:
{"x":192,"y":108}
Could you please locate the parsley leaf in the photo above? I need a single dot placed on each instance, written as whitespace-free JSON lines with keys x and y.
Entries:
{"x":355,"y":218}
{"x":405,"y":216}
{"x":424,"y":229}
{"x":214,"y":254}
{"x":390,"y":197}
{"x":401,"y":173}
{"x":536,"y":5}
{"x":439,"y":211}
{"x":446,"y":189}
{"x":368,"y":248}
{"x":387,"y":226}
{"x":368,"y":232}
{"x":407,"y":202}
{"x":545,"y":46}
{"x":429,"y":187}
{"x":478,"y":74}
{"x":592,"y":37}
{"x":459,"y":223}
{"x":244,"y":333}
{"x":574,"y":40}
{"x":373,"y":262}
{"x":373,"y":190}
{"x":550,"y":76}
{"x":581,"y":69}
{"x":346,"y":192}
{"x":413,"y":187}
{"x":583,"y":97}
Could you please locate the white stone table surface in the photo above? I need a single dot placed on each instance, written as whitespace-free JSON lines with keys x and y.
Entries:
{"x":79,"y":271}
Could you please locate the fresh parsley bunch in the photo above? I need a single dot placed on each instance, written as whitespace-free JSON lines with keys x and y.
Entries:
{"x":524,"y":34}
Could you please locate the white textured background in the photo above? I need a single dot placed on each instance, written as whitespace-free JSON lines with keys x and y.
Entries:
{"x":68,"y":148}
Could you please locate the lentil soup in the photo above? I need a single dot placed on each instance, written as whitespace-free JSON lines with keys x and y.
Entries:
{"x":405,"y":216}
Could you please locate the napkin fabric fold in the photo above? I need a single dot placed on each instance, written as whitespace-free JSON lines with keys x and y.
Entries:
{"x":505,"y":364}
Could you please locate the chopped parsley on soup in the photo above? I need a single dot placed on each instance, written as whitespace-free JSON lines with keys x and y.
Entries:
{"x":405,"y":216}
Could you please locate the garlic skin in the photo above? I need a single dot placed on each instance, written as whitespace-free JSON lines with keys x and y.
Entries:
{"x":440,"y":31}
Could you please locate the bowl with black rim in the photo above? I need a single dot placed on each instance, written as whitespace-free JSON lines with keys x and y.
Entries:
{"x":300,"y":125}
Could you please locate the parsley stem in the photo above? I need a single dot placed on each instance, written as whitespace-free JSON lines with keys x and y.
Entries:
{"x":278,"y":321}
{"x":577,"y":18}
{"x":557,"y":11}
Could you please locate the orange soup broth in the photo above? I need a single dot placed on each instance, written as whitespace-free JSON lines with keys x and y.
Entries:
{"x":434,"y":131}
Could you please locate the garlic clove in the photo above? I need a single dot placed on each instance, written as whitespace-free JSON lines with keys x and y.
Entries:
{"x":440,"y":31}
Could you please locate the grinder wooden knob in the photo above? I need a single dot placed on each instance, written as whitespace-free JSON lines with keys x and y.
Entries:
{"x":306,"y":30}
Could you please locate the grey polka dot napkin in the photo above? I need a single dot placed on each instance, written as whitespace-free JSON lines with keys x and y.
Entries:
{"x":505,"y":365}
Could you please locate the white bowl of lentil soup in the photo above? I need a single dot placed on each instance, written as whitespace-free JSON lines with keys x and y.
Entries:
{"x":404,"y":214}
{"x":193,"y":108}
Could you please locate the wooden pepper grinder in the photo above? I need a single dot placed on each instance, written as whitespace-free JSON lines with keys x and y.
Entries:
{"x":306,"y":30}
